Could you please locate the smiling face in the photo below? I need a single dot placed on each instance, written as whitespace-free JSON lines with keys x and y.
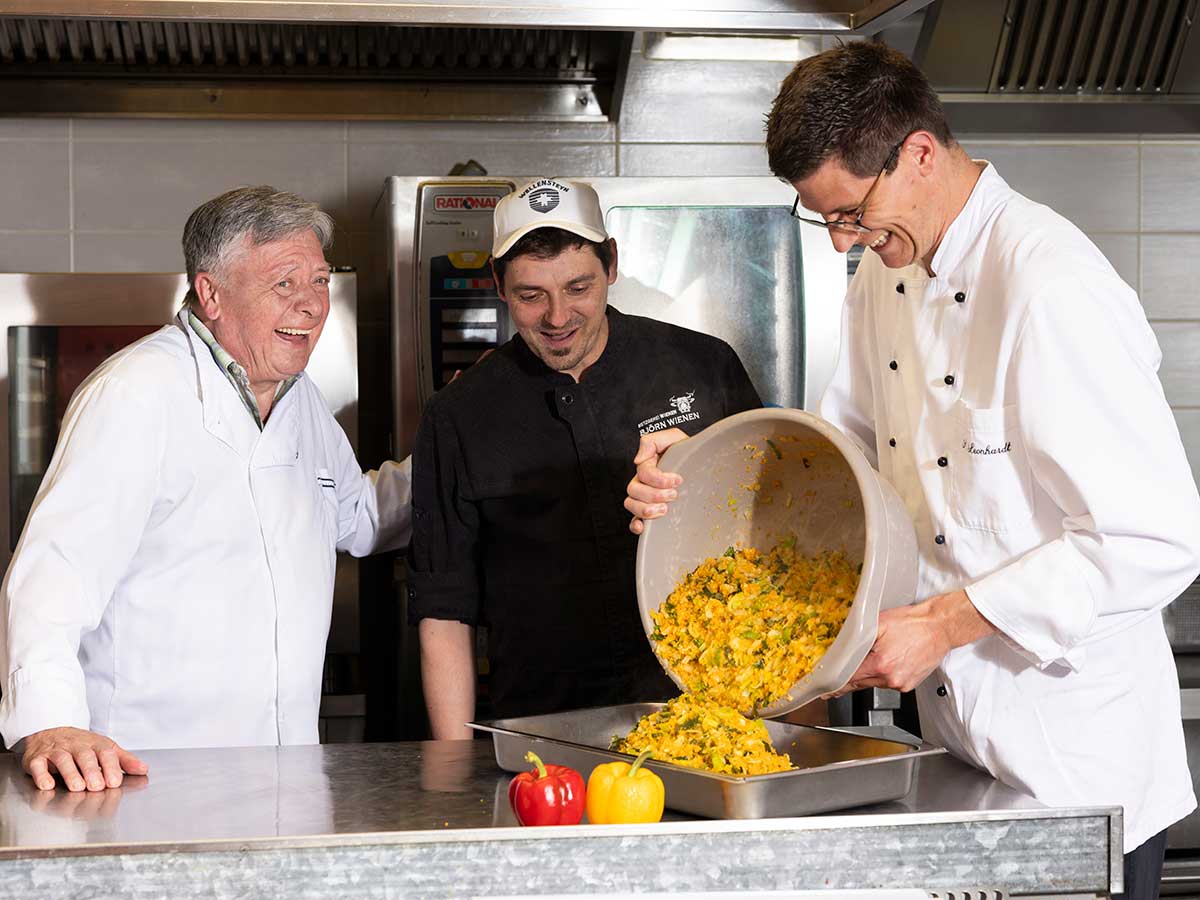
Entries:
{"x":558,"y":306}
{"x":269,"y":306}
{"x":899,"y":209}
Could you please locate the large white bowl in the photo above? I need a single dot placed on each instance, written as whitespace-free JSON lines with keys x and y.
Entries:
{"x":823,"y":490}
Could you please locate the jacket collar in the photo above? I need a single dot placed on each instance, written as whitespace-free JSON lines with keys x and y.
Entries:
{"x":225,"y":415}
{"x":959,"y":243}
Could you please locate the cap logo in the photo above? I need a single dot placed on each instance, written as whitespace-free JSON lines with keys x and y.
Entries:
{"x":543,"y":200}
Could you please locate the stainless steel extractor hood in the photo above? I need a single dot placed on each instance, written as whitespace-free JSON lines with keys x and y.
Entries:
{"x":1064,"y":65}
{"x":546,"y":60}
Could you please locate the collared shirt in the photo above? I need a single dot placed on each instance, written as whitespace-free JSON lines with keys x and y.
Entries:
{"x":1012,"y":399}
{"x":235,"y":371}
{"x":174,"y":583}
{"x":519,"y":479}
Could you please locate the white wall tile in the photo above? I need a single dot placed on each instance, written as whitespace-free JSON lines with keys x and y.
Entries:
{"x":1171,"y":276}
{"x":35,"y":251}
{"x":1171,"y":187}
{"x":693,"y":159}
{"x":141,"y":186}
{"x":1093,"y":185}
{"x":371,"y":163}
{"x":698,"y":102}
{"x":1180,"y":370}
{"x":34,"y":185}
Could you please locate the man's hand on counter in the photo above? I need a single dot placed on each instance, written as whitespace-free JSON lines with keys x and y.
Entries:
{"x":651,"y":489}
{"x":85,"y":760}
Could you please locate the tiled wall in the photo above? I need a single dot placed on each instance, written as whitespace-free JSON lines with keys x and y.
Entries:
{"x":112,"y":195}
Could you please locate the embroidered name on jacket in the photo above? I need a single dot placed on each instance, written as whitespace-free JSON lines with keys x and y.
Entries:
{"x":986,"y":449}
{"x":682,"y":410}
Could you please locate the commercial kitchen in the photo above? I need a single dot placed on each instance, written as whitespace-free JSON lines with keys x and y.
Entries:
{"x":409,"y":123}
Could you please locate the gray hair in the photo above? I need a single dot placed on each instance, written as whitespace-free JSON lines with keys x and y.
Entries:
{"x":215,"y":230}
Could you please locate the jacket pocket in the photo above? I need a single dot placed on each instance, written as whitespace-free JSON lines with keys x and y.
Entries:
{"x":991,"y":483}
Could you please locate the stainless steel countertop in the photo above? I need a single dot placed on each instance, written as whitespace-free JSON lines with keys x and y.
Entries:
{"x":355,"y":794}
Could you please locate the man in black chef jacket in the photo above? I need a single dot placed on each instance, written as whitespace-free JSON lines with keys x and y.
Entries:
{"x":520,"y":469}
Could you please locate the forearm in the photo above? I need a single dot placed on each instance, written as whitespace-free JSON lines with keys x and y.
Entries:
{"x":957,"y":619}
{"x":448,"y":676}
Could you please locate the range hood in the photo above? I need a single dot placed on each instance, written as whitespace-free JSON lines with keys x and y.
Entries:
{"x":1115,"y":66}
{"x":479,"y":60}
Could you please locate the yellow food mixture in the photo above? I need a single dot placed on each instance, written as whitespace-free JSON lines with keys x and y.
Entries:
{"x":739,"y":632}
{"x":743,"y":628}
{"x":701,"y":735}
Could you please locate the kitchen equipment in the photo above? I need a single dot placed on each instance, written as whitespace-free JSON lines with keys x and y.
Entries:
{"x":835,"y":769}
{"x":754,"y":479}
{"x":55,"y":328}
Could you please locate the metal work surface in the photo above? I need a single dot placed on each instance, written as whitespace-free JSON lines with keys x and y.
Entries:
{"x":432,"y":819}
{"x":834,"y":769}
{"x":846,"y":16}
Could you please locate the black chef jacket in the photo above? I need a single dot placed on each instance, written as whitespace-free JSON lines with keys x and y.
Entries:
{"x":519,"y":479}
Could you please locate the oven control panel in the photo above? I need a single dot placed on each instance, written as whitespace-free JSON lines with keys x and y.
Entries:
{"x":460,"y":314}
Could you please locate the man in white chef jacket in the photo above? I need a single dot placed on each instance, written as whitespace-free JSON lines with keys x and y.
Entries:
{"x":998,"y":372}
{"x":173,"y":585}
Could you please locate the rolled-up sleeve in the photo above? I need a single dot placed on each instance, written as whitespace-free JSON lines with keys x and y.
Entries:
{"x":1104,"y":448}
{"x":83,"y":531}
{"x":444,"y":557}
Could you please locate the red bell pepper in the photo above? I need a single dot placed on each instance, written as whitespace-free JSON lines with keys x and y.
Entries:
{"x":547,"y":795}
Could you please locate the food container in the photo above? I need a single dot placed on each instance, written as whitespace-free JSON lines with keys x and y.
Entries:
{"x":752,"y":480}
{"x":834,"y":769}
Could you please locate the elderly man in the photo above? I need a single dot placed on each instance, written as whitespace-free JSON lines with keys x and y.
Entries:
{"x":521,"y":464}
{"x":173,"y":585}
{"x":1001,"y":375}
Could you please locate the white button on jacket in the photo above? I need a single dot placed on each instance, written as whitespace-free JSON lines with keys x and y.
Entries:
{"x":1043,"y":469}
{"x":174,"y":583}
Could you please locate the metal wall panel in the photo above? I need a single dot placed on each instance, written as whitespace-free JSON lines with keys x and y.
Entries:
{"x":1095,"y":185}
{"x":1189,"y":430}
{"x":129,"y":251}
{"x":1122,"y":251}
{"x":40,"y":251}
{"x":1180,"y":371}
{"x":1170,"y":188}
{"x":698,"y":102}
{"x":1170,"y":275}
{"x":141,"y":186}
{"x":35,"y":178}
{"x":693,"y":159}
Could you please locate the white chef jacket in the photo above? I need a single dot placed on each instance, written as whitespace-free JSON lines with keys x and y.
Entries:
{"x":174,"y":583}
{"x":1013,"y":401}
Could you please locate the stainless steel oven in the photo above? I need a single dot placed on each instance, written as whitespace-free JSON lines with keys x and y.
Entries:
{"x":56,"y":328}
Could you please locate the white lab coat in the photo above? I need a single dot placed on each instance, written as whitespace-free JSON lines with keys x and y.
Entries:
{"x":174,"y":583}
{"x":1053,"y":471}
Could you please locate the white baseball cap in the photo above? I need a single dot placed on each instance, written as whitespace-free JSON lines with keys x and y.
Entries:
{"x":547,"y":203}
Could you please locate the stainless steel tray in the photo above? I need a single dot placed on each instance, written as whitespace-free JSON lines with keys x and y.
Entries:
{"x":835,"y":769}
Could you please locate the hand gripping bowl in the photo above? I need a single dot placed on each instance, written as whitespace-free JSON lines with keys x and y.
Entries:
{"x":754,"y":479}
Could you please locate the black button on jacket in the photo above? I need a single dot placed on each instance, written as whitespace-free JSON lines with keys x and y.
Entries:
{"x":519,"y":478}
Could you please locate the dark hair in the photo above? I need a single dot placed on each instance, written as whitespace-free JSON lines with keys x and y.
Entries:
{"x":547,"y":243}
{"x":853,"y":103}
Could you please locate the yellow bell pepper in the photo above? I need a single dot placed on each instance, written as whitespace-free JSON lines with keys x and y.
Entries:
{"x":621,"y":794}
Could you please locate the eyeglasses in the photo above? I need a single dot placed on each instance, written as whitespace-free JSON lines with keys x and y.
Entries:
{"x":855,"y":226}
